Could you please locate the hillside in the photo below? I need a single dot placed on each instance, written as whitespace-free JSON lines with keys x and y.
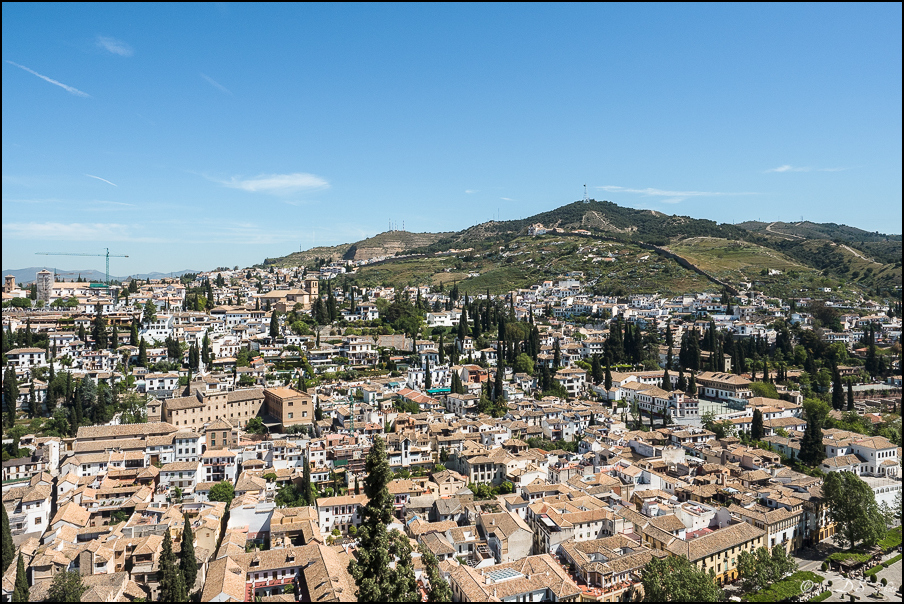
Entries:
{"x":608,"y":267}
{"x":383,"y":244}
{"x":813,"y":230}
{"x":809,"y":256}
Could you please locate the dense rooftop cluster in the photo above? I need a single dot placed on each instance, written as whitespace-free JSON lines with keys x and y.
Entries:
{"x":545,"y":444}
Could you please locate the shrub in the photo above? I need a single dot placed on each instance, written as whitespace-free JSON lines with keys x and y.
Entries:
{"x":884,"y":581}
{"x":872,"y":579}
{"x":822,"y":596}
{"x":892,"y":539}
{"x":849,"y":555}
{"x":825,"y":566}
{"x":787,"y":588}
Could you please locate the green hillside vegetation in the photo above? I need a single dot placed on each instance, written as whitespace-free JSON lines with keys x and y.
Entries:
{"x":810,"y":255}
{"x":812,"y":230}
{"x":523,"y":261}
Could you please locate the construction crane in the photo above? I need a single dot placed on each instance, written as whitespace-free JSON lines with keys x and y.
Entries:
{"x":107,"y":255}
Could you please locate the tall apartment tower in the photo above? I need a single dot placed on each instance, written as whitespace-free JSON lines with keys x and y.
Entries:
{"x":45,"y":285}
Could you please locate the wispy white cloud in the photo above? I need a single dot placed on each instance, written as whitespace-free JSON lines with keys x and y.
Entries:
{"x":506,"y":199}
{"x":117,"y":47}
{"x":469,"y":191}
{"x":278,"y":184}
{"x":68,"y":89}
{"x":103,"y":179}
{"x":216,"y":84}
{"x":670,"y":196}
{"x":74,"y":231}
{"x":789,"y":168}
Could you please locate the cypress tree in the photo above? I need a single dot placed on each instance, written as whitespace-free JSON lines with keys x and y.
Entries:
{"x":428,"y":380}
{"x":274,"y":325}
{"x":20,"y":592}
{"x":10,"y":394}
{"x":172,"y":585}
{"x":33,"y":402}
{"x":187,"y":562}
{"x":850,"y":395}
{"x":99,"y":329}
{"x":596,"y":369}
{"x":756,"y":426}
{"x":666,"y":380}
{"x":682,"y":381}
{"x":692,"y":386}
{"x":6,"y":536}
{"x":837,"y":390}
{"x":205,"y":350}
{"x":133,"y":334}
{"x":114,"y":339}
{"x":375,"y":579}
{"x":812,"y":451}
{"x":608,"y":378}
{"x":442,"y":350}
{"x":463,"y":325}
{"x":307,"y":489}
{"x":439,"y":587}
{"x":142,"y":354}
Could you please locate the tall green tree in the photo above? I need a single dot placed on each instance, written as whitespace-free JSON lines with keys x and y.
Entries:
{"x":596,"y":369}
{"x":756,"y":425}
{"x":307,"y":487}
{"x":133,"y":334}
{"x":142,"y":354}
{"x":150,"y":312}
{"x":6,"y":535}
{"x":666,"y":380}
{"x":20,"y":592}
{"x":222,"y":491}
{"x":837,"y":390}
{"x":377,"y":578}
{"x":172,"y":585}
{"x":274,"y":325}
{"x":851,"y":504}
{"x":439,"y":587}
{"x":675,"y":579}
{"x":10,"y":394}
{"x":428,"y":379}
{"x":188,"y":564}
{"x":67,"y":586}
{"x":812,"y":451}
{"x":850,"y":395}
{"x":32,"y":401}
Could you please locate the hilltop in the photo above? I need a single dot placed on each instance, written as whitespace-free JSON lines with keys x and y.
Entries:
{"x":389,"y":243}
{"x":694,"y":254}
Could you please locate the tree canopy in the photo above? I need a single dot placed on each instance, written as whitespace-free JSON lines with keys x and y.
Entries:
{"x":852,"y":506}
{"x":377,"y":578}
{"x":675,"y":579}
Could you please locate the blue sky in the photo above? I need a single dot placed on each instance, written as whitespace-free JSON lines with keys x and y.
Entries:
{"x":192,"y":136}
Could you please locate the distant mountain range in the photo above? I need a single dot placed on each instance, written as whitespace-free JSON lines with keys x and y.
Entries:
{"x":27,"y":275}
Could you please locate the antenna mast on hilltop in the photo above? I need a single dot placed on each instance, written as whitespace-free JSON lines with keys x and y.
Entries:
{"x":586,"y":199}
